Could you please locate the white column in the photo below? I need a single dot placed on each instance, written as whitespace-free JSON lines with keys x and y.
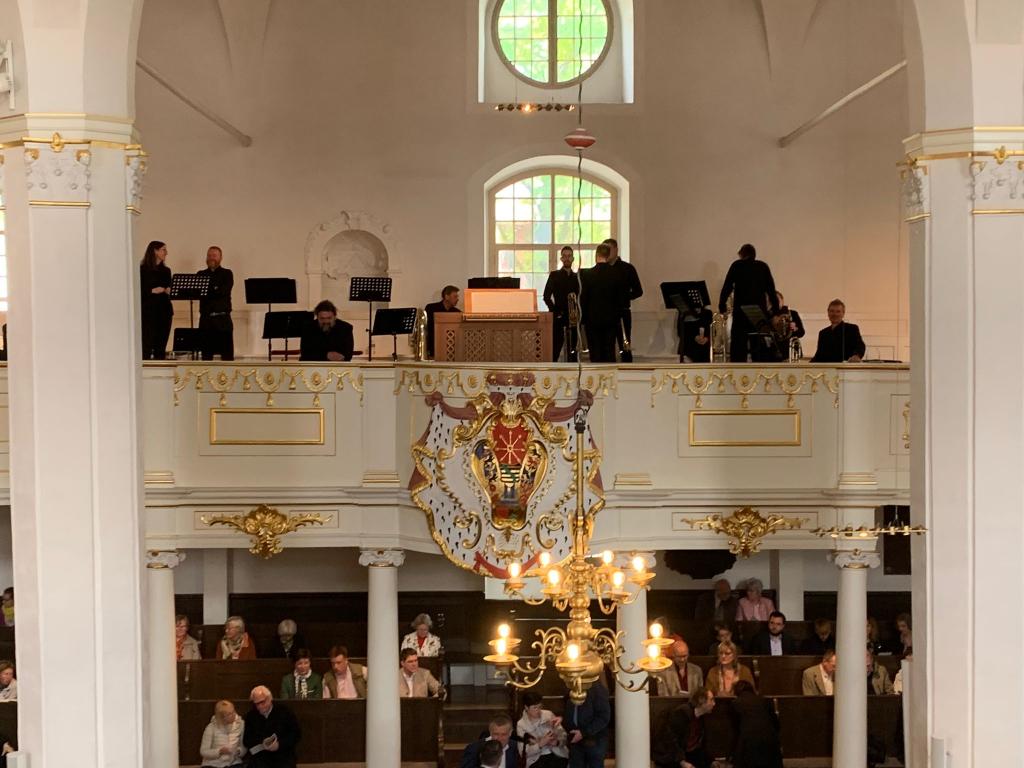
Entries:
{"x":857,"y":449}
{"x":75,"y":467}
{"x":850,"y":727}
{"x":162,"y":717}
{"x":216,"y":576}
{"x":632,"y":711}
{"x":787,"y":578}
{"x":383,"y":714}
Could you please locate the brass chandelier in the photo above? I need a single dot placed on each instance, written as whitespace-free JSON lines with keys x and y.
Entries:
{"x":579,"y":652}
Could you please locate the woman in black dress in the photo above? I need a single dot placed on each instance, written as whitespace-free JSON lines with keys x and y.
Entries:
{"x":156,"y":302}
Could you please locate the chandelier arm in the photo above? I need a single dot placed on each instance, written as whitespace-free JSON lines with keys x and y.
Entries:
{"x":534,"y":600}
{"x":526,"y":682}
{"x":632,"y":686}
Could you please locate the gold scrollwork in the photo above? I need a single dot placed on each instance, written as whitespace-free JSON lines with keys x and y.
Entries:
{"x":745,"y":528}
{"x":471,"y":385}
{"x":266,"y":525}
{"x":266,"y":380}
{"x":906,"y":424}
{"x":745,"y":384}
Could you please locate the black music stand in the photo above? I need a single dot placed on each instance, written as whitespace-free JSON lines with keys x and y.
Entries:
{"x":289,"y":324}
{"x":370,"y":289}
{"x":763,"y":331}
{"x":689,"y":298}
{"x":186,"y":287}
{"x":188,"y":340}
{"x":269,"y":291}
{"x":391,"y":322}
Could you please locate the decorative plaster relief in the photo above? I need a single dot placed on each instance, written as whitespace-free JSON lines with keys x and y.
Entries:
{"x":57,"y":173}
{"x":914,"y":191}
{"x":134,"y":172}
{"x":855,"y":558}
{"x":997,"y":183}
{"x":381,"y":558}
{"x":164,"y":558}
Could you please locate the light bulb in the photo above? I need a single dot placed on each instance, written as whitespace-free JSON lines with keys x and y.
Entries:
{"x":653,"y":651}
{"x":554,"y":576}
{"x":618,"y":579}
{"x":572,"y":651}
{"x":501,"y":646}
{"x":545,"y":559}
{"x":514,"y":569}
{"x":503,"y":630}
{"x":639,"y":564}
{"x":607,"y":556}
{"x":656,"y":630}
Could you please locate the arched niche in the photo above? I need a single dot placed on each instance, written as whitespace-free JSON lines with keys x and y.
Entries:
{"x":352,"y":244}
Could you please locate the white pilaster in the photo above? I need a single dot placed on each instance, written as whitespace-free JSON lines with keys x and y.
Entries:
{"x":850,"y":727}
{"x":787,"y":578}
{"x":162,"y":717}
{"x":216,"y":578}
{"x":857,"y":468}
{"x":383,"y":713}
{"x":632,"y":711}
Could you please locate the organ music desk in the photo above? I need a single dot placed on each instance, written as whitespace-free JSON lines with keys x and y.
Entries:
{"x":500,"y":325}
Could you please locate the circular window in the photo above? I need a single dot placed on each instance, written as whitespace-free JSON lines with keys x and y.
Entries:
{"x":552,"y":43}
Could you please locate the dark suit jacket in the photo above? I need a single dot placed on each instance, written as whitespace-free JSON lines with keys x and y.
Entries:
{"x":603,"y":297}
{"x":839,"y":344}
{"x":671,"y":734}
{"x":757,"y":733}
{"x":591,"y":718}
{"x":437,"y":306}
{"x":761,"y":644}
{"x":752,"y":283}
{"x":630,"y":280}
{"x":814,"y":646}
{"x":219,"y":297}
{"x":514,"y":756}
{"x":316,"y":344}
{"x":280,"y":721}
{"x":706,"y":602}
{"x":556,"y":292}
{"x":688,"y":328}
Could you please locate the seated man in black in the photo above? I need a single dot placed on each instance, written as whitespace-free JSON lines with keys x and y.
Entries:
{"x":841,"y":341}
{"x":449,"y":303}
{"x":679,"y":734}
{"x":271,"y":732}
{"x":776,"y":641}
{"x":328,"y":338}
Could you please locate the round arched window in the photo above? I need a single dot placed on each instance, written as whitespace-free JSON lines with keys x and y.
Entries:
{"x":552,"y":43}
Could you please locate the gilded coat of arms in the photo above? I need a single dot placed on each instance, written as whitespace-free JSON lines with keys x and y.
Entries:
{"x":495,"y":477}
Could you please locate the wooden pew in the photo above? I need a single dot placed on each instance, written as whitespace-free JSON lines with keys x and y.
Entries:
{"x":236,"y":679}
{"x":332,"y":731}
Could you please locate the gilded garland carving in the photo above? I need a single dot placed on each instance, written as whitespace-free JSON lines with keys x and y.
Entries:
{"x":266,"y":380}
{"x":745,"y":384}
{"x":266,"y":525}
{"x":745,"y":528}
{"x":471,"y":385}
{"x":58,"y":177}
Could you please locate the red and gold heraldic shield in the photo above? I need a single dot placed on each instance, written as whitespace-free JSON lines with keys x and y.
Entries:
{"x":495,"y":477}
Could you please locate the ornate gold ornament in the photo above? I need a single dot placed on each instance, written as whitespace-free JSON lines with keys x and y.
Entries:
{"x":865,"y":532}
{"x":269,"y":380}
{"x":266,"y":525}
{"x":745,"y":528}
{"x":472,"y":384}
{"x":745,"y":384}
{"x":906,"y":425}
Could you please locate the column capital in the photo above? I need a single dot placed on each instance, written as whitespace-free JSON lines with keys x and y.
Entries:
{"x":381,"y":558}
{"x":159,"y":559}
{"x":855,"y":559}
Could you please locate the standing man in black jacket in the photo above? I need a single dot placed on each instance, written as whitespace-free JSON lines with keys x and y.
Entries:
{"x":631,"y":290}
{"x":751,"y":282}
{"x":560,"y":284}
{"x":271,"y":732}
{"x":218,"y":332}
{"x":601,"y":302}
{"x":586,"y":725}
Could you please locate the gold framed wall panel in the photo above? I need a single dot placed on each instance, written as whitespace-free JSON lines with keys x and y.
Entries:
{"x":749,"y":435}
{"x":271,"y":420}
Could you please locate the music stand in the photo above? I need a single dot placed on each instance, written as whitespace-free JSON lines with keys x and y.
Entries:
{"x":370,"y":289}
{"x":391,"y":322}
{"x":762,"y":329}
{"x":188,"y":340}
{"x":688,"y":297}
{"x":270,"y":291}
{"x":186,"y":287}
{"x":288,"y":324}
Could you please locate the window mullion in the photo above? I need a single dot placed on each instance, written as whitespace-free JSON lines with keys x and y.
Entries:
{"x":552,"y":42}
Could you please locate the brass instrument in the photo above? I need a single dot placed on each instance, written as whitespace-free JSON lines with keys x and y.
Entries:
{"x":575,"y":316}
{"x":786,"y":343}
{"x":418,"y":337}
{"x":719,"y":338}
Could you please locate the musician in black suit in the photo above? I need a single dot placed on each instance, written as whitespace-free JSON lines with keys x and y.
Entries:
{"x":560,"y":284}
{"x":218,"y":332}
{"x":841,"y":341}
{"x":601,"y":302}
{"x":631,"y":290}
{"x":449,"y":303}
{"x":694,"y":329}
{"x":157,"y":312}
{"x":751,"y":283}
{"x":327,"y":338}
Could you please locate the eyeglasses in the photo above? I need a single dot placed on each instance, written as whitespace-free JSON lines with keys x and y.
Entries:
{"x":259,"y":702}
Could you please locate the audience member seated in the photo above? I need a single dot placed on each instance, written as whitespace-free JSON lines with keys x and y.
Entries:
{"x":302,"y":682}
{"x":878,"y":680}
{"x":723,"y":634}
{"x":774,"y":641}
{"x":327,"y":338}
{"x":897,"y":681}
{"x":874,"y":643}
{"x":682,"y":678}
{"x":542,"y":735}
{"x":236,"y":643}
{"x":186,"y":647}
{"x":420,"y":639}
{"x":270,"y":732}
{"x":221,"y":746}
{"x":289,"y":640}
{"x":499,"y":730}
{"x":492,"y":755}
{"x":757,"y":730}
{"x":819,"y":680}
{"x":822,"y":640}
{"x":8,"y":685}
{"x":414,"y":682}
{"x":679,"y":734}
{"x":840,"y":342}
{"x":346,"y":680}
{"x":906,"y":637}
{"x":723,"y":676}
{"x":7,"y":602}
{"x":586,"y":727}
{"x":720,"y":605}
{"x":754,"y":607}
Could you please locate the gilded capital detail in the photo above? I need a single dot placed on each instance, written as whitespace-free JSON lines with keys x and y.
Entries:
{"x":914,"y":192}
{"x":57,"y":173}
{"x":855,"y":559}
{"x":134,"y":171}
{"x":997,"y":184}
{"x":381,"y":558}
{"x":164,"y":559}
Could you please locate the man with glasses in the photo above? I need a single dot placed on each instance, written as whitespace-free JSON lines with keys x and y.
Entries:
{"x":271,"y":732}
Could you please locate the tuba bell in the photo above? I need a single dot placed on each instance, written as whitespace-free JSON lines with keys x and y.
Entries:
{"x":418,"y":337}
{"x":719,"y":337}
{"x":575,"y":321}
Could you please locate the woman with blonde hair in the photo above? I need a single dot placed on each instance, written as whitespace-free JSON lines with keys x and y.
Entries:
{"x":724,"y":675}
{"x":221,"y":746}
{"x":186,"y":647}
{"x":236,"y":643}
{"x":420,"y":639}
